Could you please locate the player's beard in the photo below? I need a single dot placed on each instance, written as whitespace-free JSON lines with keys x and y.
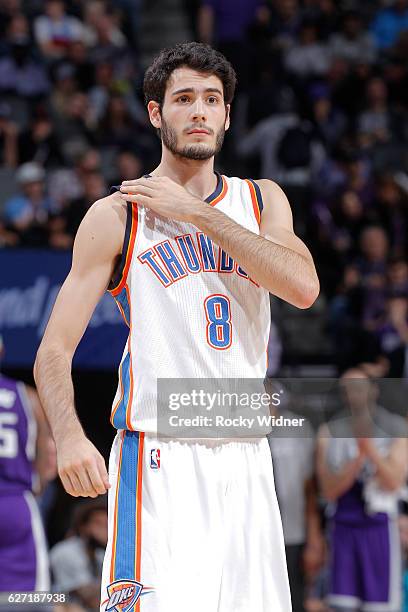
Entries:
{"x":197,"y":151}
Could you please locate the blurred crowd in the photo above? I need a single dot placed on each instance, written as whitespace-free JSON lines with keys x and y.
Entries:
{"x":321,"y":108}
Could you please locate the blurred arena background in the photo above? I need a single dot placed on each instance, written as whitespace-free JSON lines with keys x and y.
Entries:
{"x":321,"y":107}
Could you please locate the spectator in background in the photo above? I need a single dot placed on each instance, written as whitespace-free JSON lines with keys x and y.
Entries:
{"x":132,"y":10}
{"x":108,"y":83}
{"x":94,"y":188}
{"x":17,"y":29}
{"x":103,"y":34}
{"x":65,"y":85}
{"x":74,"y":127}
{"x":347,"y":85}
{"x":324,"y":13}
{"x":389,"y":23}
{"x":374,"y":123}
{"x":397,"y":276}
{"x":357,"y":310}
{"x":393,"y":335}
{"x":362,"y":465}
{"x":128,"y":166}
{"x":76,"y":562}
{"x":27,"y":213}
{"x":352,"y":43}
{"x":390,"y":210}
{"x":336,"y":227}
{"x":285,"y":21}
{"x":8,"y":137}
{"x":109,"y":38}
{"x":117,"y":128}
{"x":285,"y":147}
{"x":64,"y":226}
{"x":84,"y":69}
{"x":67,"y":183}
{"x":55,"y":31}
{"x":38,"y":142}
{"x":372,"y":266}
{"x":8,"y":10}
{"x":396,"y":77}
{"x":349,"y":221}
{"x":20,"y":74}
{"x":226,"y":25}
{"x":99,"y":23}
{"x":329,"y":123}
{"x":289,"y":154}
{"x":105,"y":84}
{"x":308,"y":57}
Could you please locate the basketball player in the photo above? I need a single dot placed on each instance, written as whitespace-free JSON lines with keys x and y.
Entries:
{"x":189,"y":256}
{"x":363,"y":478}
{"x":24,"y":444}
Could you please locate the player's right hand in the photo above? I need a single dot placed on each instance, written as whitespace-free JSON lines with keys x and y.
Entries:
{"x":82,"y":468}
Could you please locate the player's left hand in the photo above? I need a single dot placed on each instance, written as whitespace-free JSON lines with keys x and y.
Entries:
{"x":162,"y":195}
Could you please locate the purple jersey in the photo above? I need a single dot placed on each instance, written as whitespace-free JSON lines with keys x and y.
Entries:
{"x":23,"y":550}
{"x":18,"y":433}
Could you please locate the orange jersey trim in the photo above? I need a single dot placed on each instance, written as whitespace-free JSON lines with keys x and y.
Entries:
{"x":222,"y":194}
{"x":129,"y":252}
{"x":130,"y":398}
{"x":254,"y":199}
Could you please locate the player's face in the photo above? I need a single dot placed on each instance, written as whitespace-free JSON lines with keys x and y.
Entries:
{"x":194,"y":117}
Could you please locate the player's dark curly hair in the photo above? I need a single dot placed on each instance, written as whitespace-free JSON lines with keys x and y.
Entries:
{"x":194,"y":55}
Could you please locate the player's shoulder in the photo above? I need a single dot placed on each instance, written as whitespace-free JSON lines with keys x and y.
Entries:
{"x":269,"y":188}
{"x":102,"y":229}
{"x":274,"y":202}
{"x":107,"y":210}
{"x":105,"y":218}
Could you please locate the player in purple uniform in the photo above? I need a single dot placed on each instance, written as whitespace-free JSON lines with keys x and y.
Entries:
{"x":24,"y":443}
{"x":363,"y":476}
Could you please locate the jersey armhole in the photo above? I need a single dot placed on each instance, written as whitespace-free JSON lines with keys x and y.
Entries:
{"x":256,"y":199}
{"x":119,"y":278}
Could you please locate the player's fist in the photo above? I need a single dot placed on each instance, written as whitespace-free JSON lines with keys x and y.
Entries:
{"x":82,"y":468}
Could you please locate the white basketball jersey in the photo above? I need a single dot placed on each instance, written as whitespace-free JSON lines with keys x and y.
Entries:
{"x":192,"y":311}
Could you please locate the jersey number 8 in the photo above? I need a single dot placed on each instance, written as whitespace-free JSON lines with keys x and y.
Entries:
{"x":218,"y":314}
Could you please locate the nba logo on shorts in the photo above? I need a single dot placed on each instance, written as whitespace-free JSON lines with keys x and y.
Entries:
{"x":155,"y":458}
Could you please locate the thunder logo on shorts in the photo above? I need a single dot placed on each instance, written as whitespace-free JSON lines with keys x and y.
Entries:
{"x":123,"y":594}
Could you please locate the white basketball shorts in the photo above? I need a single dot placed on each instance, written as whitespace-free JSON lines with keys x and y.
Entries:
{"x":194,"y":525}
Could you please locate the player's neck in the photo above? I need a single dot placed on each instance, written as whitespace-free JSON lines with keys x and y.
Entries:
{"x":196,"y":176}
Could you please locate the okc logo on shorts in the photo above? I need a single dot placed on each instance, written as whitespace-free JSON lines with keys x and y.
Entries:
{"x":123,"y":594}
{"x":155,"y":458}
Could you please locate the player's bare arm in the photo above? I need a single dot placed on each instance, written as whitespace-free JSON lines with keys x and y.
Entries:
{"x":98,"y":245}
{"x":45,"y":465}
{"x":277,"y":259}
